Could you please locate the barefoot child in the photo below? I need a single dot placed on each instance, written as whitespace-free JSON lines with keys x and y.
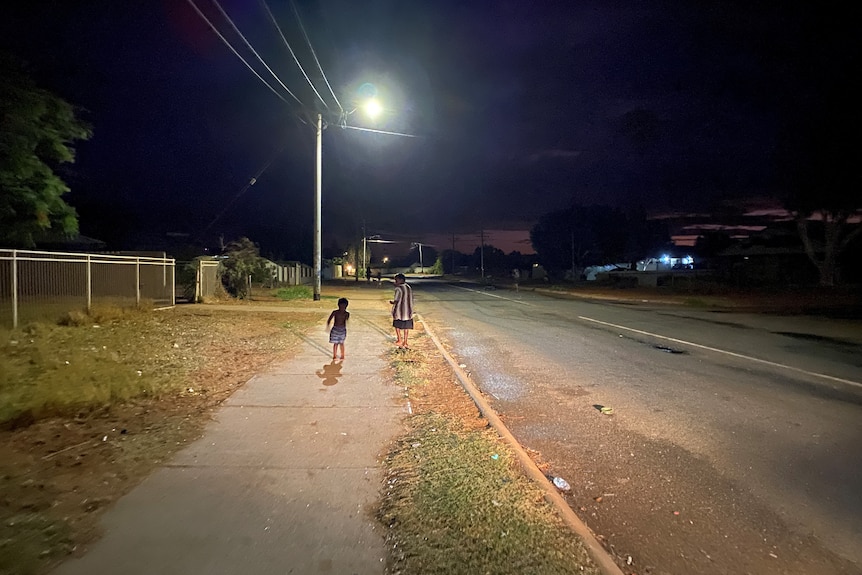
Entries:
{"x":402,"y":311}
{"x":338,"y":318}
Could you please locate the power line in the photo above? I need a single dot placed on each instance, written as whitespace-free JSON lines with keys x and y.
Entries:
{"x":380,"y":131}
{"x":253,"y":51}
{"x":242,"y":190}
{"x":295,"y":59}
{"x":314,"y":54}
{"x":231,"y":48}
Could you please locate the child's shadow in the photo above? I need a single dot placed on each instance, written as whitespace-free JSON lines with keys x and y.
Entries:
{"x":330,"y":373}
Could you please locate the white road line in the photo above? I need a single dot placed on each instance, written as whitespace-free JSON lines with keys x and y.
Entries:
{"x":495,"y":295}
{"x":739,"y":355}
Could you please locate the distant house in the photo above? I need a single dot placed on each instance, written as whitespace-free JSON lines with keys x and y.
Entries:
{"x":772,"y":257}
{"x":762,"y":265}
{"x":57,"y":242}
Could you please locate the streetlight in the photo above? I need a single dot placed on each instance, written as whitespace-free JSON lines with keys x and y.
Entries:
{"x":419,"y":245}
{"x":375,"y":239}
{"x":371,"y":106}
{"x":318,"y":178}
{"x":365,"y":240}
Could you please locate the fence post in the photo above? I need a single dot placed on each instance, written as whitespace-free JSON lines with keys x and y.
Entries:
{"x":89,"y":283}
{"x":173,"y":281}
{"x":198,"y":280}
{"x":138,"y":281}
{"x":14,"y":289}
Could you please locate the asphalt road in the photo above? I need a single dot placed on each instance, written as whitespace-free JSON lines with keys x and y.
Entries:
{"x":735,"y":442}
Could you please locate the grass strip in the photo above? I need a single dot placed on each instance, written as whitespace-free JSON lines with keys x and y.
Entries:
{"x":456,"y":501}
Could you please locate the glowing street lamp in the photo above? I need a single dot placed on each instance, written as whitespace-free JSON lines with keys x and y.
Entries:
{"x":372,"y":108}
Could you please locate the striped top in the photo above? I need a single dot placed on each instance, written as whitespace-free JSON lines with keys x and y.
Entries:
{"x":403,"y":307}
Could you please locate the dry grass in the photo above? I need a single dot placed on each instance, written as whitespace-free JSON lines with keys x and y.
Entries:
{"x":456,"y":501}
{"x":93,"y":406}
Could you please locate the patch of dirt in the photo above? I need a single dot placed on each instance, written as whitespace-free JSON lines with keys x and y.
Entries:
{"x":440,"y":391}
{"x":58,"y":475}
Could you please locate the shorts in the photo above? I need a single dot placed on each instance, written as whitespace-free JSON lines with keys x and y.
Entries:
{"x":338,"y":335}
{"x":402,"y":323}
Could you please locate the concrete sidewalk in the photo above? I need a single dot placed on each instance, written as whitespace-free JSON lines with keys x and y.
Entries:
{"x":284,"y":479}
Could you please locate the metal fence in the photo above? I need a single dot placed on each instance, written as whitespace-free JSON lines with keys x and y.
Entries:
{"x":291,"y":273}
{"x":207,"y":279}
{"x":36,"y":285}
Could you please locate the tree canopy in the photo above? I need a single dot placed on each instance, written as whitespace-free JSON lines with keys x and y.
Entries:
{"x":819,"y":160}
{"x":37,"y":133}
{"x":242,"y":263}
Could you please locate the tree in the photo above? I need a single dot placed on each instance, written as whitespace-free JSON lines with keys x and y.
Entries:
{"x":582,"y":236}
{"x":819,"y":150}
{"x":242,"y":263}
{"x":491,"y":259}
{"x":823,"y":187}
{"x":453,"y":260}
{"x":437,"y":268}
{"x":711,"y":243}
{"x":37,"y":133}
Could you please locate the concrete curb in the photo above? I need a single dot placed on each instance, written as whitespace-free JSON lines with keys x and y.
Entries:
{"x":597,"y":552}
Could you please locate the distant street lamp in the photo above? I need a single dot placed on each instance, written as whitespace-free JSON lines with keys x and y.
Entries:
{"x":365,"y":240}
{"x":375,"y":239}
{"x":421,"y":264}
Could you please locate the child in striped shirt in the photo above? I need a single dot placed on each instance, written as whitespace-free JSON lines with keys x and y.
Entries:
{"x":402,"y":310}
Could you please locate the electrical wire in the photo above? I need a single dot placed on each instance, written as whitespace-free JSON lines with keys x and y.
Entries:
{"x":295,"y":59}
{"x":231,"y":48}
{"x":380,"y":131}
{"x":253,"y":51}
{"x":245,"y":188}
{"x":314,"y":54}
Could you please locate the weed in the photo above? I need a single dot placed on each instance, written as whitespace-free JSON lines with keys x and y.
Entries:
{"x":455,"y":500}
{"x":294,"y":292}
{"x":36,"y":537}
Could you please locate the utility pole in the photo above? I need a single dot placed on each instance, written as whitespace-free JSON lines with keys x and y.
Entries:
{"x":453,"y":252}
{"x":363,"y":253}
{"x":482,"y":252}
{"x":418,"y":245}
{"x":318,"y":177}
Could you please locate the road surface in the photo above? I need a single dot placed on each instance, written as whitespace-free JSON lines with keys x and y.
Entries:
{"x":733,"y":445}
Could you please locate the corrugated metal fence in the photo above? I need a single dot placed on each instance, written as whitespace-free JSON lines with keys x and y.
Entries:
{"x":38,"y":285}
{"x":207,"y":279}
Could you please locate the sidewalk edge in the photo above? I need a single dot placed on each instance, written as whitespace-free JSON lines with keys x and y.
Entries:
{"x":597,"y":552}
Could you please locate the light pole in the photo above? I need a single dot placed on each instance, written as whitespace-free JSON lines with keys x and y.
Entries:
{"x":421,"y":263}
{"x":375,"y":239}
{"x":372,"y":108}
{"x":318,"y":195}
{"x":482,"y":252}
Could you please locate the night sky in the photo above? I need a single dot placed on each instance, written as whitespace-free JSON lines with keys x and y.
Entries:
{"x":520,"y":108}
